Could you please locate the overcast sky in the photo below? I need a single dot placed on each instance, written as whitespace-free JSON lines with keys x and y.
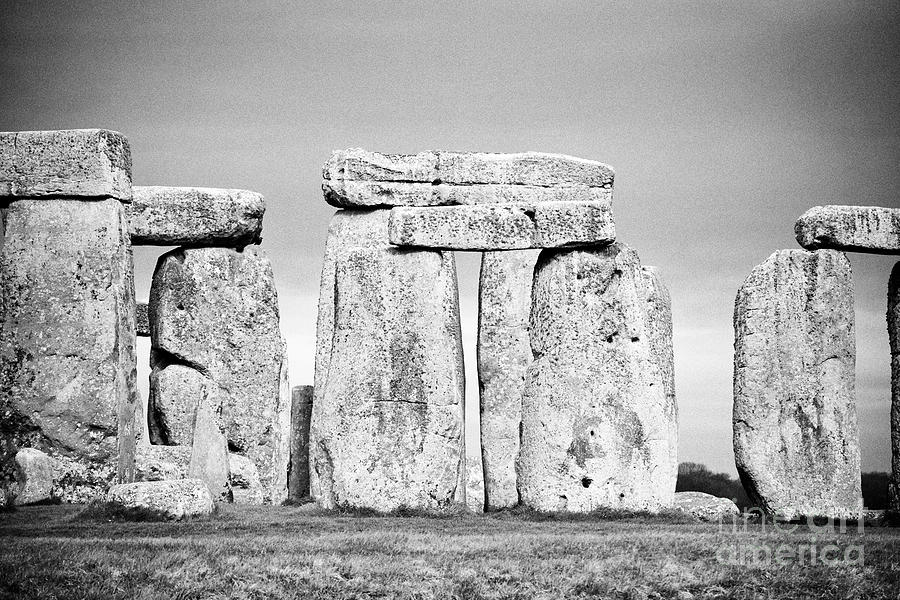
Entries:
{"x":724,"y":123}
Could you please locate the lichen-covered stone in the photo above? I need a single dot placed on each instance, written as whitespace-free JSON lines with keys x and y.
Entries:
{"x":161,"y":463}
{"x":301,"y":413}
{"x":67,"y":341}
{"x":214,"y":311}
{"x":504,"y":353}
{"x":893,"y":323}
{"x":176,"y":499}
{"x":796,"y":440}
{"x":474,"y":484}
{"x":68,"y":163}
{"x":193,"y":216}
{"x":141,"y":320}
{"x":209,"y":450}
{"x":503,"y":226}
{"x":430,"y":178}
{"x":34,"y":477}
{"x":596,"y":420}
{"x":246,"y":487}
{"x":174,"y":392}
{"x":706,"y":507}
{"x":871,"y":229}
{"x":387,"y":423}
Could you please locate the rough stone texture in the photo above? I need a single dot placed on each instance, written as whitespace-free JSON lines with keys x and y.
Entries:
{"x":209,"y":451}
{"x":474,"y":484}
{"x":301,"y":413}
{"x":893,"y":321}
{"x":192,"y":216}
{"x":176,"y":499}
{"x":34,"y":477}
{"x":851,"y":228}
{"x":796,"y":441}
{"x":387,"y":422}
{"x":161,"y":463}
{"x":504,"y":353}
{"x":706,"y":507}
{"x":70,"y":163}
{"x":372,"y":194}
{"x":174,"y":391}
{"x":214,"y":311}
{"x":596,"y":420}
{"x":429,"y":178}
{"x":503,"y":226}
{"x":245,"y":485}
{"x":141,"y":320}
{"x":67,"y":341}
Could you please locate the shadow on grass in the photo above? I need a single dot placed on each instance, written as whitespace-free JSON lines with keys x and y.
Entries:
{"x":113,"y":512}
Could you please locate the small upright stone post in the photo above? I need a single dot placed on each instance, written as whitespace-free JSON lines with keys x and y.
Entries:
{"x":67,"y":330}
{"x":301,"y":413}
{"x":893,"y":323}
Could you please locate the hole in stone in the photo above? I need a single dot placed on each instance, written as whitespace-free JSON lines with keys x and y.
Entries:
{"x":609,"y":339}
{"x":622,"y":495}
{"x":586,"y":482}
{"x":437,"y":182}
{"x":635,"y":339}
{"x":592,"y":433}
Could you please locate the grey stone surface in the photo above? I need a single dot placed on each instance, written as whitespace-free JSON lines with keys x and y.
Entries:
{"x":474,"y":483}
{"x":141,"y":320}
{"x":301,"y":413}
{"x":67,"y":341}
{"x":345,"y":193}
{"x":503,"y":226}
{"x":194,"y":216}
{"x":214,"y":311}
{"x":34,"y":478}
{"x":209,"y":450}
{"x":504,"y":353}
{"x":893,"y":323}
{"x":174,"y":391}
{"x":246,"y":487}
{"x":596,"y":420}
{"x":387,"y":423}
{"x":176,"y":499}
{"x":70,"y":163}
{"x":706,"y":507}
{"x":871,"y":229}
{"x":161,"y":463}
{"x":796,"y":440}
{"x":406,"y":179}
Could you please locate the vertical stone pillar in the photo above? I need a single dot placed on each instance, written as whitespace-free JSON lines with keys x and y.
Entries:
{"x":893,"y":323}
{"x":67,"y":333}
{"x":387,"y":417}
{"x":301,"y":413}
{"x":597,"y":420}
{"x":504,"y":353}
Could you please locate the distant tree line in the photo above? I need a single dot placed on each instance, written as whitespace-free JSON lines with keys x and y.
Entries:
{"x":696,"y":477}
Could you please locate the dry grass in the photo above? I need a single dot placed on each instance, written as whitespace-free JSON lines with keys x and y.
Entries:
{"x":300,"y":552}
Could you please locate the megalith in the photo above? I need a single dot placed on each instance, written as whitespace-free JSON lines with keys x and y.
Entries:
{"x":597,"y":419}
{"x":214,"y":326}
{"x":67,"y":331}
{"x":504,"y":353}
{"x":872,"y":229}
{"x":893,"y":323}
{"x":796,"y":440}
{"x":301,"y":414}
{"x":387,"y":415}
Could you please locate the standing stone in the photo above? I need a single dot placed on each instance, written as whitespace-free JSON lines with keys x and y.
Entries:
{"x":209,"y":451}
{"x":596,"y":420}
{"x":35,"y":476}
{"x":796,"y":441}
{"x":474,"y":484}
{"x":387,"y":423}
{"x":504,"y":353}
{"x":245,"y":485}
{"x":873,"y":229}
{"x":67,"y":340}
{"x":161,"y":463}
{"x":893,"y":321}
{"x":141,"y":320}
{"x":214,"y":323}
{"x":301,"y":413}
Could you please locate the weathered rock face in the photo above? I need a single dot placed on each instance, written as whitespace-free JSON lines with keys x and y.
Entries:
{"x":301,"y":414}
{"x":852,"y":228}
{"x":893,"y":320}
{"x":191,"y":216}
{"x":161,"y":463}
{"x":357,"y":178}
{"x":705,"y":507}
{"x":504,"y":353}
{"x":176,"y":499}
{"x":596,"y":419}
{"x":796,"y":441}
{"x":474,"y":484}
{"x":245,"y":485}
{"x":67,"y":340}
{"x":141,"y":320}
{"x":34,"y":477}
{"x":504,"y":226}
{"x":71,"y":163}
{"x":214,"y":312}
{"x":387,"y":424}
{"x":209,"y":451}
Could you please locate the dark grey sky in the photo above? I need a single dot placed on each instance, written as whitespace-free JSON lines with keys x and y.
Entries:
{"x":724,"y":122}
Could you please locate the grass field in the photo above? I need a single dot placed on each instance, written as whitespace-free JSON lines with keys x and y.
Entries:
{"x":301,"y":552}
